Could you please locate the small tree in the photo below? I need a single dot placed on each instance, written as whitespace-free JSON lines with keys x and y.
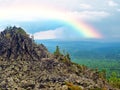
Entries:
{"x":57,"y":51}
{"x":68,"y":56}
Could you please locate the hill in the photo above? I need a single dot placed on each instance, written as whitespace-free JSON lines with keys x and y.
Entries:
{"x":25,"y":65}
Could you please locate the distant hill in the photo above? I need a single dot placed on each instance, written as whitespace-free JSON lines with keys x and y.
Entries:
{"x":94,"y":54}
{"x":25,"y":65}
{"x":86,"y":49}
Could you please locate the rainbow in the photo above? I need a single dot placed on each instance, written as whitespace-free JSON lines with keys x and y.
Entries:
{"x":38,"y":12}
{"x":84,"y":29}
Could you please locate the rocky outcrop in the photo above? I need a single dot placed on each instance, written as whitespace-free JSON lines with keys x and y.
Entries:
{"x":25,"y":65}
{"x":16,"y":44}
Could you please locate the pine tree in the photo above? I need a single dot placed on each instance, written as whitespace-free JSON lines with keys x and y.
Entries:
{"x":57,"y":51}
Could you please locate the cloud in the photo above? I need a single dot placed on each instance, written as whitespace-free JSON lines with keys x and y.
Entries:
{"x":31,"y":14}
{"x":24,"y":10}
{"x":85,"y":6}
{"x":118,"y":9}
{"x":112,"y":3}
{"x":49,"y":34}
{"x":1,"y":30}
{"x":90,"y":15}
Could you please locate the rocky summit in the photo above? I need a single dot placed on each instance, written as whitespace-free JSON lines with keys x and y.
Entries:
{"x":25,"y":65}
{"x":16,"y":44}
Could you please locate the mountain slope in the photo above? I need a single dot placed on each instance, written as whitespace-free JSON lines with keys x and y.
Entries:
{"x":25,"y":65}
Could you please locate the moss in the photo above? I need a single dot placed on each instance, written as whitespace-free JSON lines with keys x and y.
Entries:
{"x":16,"y":30}
{"x":7,"y":35}
{"x":102,"y":74}
{"x":81,"y":67}
{"x":71,"y":86}
{"x":65,"y":59}
{"x":21,"y":31}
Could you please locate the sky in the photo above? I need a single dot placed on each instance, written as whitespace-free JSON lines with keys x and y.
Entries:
{"x":57,"y":19}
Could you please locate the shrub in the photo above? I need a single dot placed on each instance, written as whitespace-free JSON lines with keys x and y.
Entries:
{"x":114,"y":80}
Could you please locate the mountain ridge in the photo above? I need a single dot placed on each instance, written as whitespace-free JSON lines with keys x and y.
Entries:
{"x":25,"y":65}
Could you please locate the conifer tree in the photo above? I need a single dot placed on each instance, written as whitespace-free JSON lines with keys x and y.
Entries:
{"x":57,"y":51}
